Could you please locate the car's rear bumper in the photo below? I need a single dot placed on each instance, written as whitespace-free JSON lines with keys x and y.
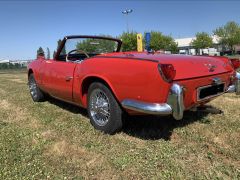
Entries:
{"x":175,"y":102}
{"x":174,"y":105}
{"x":235,"y":88}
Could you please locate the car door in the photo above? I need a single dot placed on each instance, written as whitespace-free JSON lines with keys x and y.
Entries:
{"x":58,"y":79}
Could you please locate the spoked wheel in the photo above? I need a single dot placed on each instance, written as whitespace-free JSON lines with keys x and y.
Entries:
{"x":104,"y":112}
{"x":36,"y":94}
{"x":99,"y":107}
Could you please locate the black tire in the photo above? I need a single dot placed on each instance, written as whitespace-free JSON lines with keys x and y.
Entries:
{"x":106,"y":107}
{"x":36,"y":93}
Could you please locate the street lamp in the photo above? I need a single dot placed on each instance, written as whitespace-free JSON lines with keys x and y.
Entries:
{"x":126,"y":12}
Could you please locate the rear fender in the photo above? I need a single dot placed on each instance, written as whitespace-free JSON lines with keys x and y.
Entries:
{"x":131,"y":79}
{"x":88,"y":80}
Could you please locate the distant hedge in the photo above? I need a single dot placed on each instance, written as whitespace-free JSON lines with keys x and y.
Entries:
{"x":11,"y":66}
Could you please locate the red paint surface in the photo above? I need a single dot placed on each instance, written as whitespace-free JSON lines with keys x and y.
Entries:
{"x":130,"y":76}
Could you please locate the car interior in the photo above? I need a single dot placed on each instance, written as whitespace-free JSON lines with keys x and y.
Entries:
{"x":74,"y":57}
{"x":77,"y":49}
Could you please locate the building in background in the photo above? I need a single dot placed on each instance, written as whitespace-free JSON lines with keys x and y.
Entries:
{"x":185,"y":47}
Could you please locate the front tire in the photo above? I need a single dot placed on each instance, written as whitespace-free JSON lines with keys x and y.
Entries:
{"x":36,"y":93}
{"x":103,"y":109}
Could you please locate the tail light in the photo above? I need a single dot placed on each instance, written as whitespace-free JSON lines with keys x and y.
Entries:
{"x":167,"y":72}
{"x":235,"y":63}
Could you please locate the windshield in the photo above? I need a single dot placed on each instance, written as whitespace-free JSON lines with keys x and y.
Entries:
{"x":91,"y":46}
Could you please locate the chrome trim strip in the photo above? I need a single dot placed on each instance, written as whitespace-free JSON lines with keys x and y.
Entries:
{"x":175,"y":100}
{"x":174,"y":105}
{"x":237,"y":84}
{"x":235,"y":87}
{"x":148,"y":108}
{"x":231,"y":89}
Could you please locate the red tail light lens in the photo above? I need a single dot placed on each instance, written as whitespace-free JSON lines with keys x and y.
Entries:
{"x":235,"y":63}
{"x":167,"y":72}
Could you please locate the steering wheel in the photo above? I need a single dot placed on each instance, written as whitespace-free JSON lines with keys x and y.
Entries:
{"x":76,"y":50}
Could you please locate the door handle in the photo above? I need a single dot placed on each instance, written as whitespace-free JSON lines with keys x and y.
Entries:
{"x":68,"y":78}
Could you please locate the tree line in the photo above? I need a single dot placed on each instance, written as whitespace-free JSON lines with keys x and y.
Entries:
{"x":11,"y":66}
{"x":228,"y":36}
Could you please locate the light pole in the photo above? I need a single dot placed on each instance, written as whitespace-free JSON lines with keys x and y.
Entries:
{"x":126,"y":12}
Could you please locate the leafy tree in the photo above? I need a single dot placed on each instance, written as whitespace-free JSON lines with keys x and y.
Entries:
{"x":159,"y":41}
{"x":203,"y":40}
{"x":171,"y":45}
{"x":96,"y":46}
{"x":40,"y":52}
{"x":11,"y":66}
{"x":4,"y":66}
{"x":17,"y":65}
{"x":129,"y":40}
{"x":48,"y":53}
{"x":156,"y":42}
{"x":229,"y":35}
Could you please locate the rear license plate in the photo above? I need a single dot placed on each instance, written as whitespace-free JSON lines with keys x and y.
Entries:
{"x":207,"y":92}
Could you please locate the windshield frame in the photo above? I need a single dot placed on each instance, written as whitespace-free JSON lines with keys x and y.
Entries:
{"x":119,"y":42}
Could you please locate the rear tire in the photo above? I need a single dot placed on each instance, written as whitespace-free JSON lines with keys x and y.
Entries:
{"x":36,"y":93}
{"x":104,"y":111}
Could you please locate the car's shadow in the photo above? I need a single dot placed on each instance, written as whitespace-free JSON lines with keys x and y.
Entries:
{"x":148,"y":127}
{"x":155,"y":127}
{"x":67,"y":106}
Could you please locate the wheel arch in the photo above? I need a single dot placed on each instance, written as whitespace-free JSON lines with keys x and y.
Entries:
{"x":30,"y":71}
{"x":87,"y":81}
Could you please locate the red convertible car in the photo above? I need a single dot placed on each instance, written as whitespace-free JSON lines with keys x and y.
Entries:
{"x":91,"y":72}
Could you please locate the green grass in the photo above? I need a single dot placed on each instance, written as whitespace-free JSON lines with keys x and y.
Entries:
{"x":54,"y":140}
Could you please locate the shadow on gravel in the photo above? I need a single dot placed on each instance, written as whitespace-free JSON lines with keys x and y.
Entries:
{"x":155,"y":127}
{"x":149,"y":127}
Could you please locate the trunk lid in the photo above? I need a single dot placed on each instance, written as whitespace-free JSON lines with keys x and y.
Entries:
{"x":185,"y":66}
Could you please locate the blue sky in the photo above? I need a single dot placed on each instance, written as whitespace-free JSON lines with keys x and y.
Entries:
{"x":26,"y":25}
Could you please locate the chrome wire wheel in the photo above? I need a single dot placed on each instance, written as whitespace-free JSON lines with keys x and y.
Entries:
{"x":33,"y":88}
{"x":103,"y":109}
{"x":99,"y":107}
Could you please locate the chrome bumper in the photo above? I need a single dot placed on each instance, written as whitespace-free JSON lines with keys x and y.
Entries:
{"x":235,"y":88}
{"x":174,"y":105}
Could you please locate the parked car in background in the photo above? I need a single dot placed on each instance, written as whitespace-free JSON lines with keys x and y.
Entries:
{"x":91,"y":72}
